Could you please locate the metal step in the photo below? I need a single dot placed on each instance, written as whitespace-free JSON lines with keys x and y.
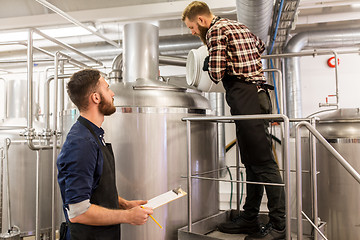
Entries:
{"x":206,"y":229}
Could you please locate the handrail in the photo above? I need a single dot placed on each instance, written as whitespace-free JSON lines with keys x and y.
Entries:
{"x":332,"y":150}
{"x":285,"y":145}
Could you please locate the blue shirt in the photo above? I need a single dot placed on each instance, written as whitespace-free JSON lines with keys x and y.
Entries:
{"x":80,"y":164}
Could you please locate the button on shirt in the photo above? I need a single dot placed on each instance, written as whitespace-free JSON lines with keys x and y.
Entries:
{"x":234,"y":50}
{"x":80,"y":164}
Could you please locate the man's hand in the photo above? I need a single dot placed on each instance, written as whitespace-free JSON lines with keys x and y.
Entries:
{"x":138,"y":215}
{"x":125,"y":204}
{"x":206,"y":64}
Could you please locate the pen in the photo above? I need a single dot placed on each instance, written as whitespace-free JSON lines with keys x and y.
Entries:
{"x":154,"y":219}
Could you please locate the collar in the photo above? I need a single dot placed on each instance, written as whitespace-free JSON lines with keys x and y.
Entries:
{"x":98,"y":131}
{"x":215,"y":19}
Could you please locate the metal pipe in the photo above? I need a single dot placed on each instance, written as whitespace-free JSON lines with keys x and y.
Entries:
{"x":315,"y":226}
{"x":281,"y":95}
{"x":298,"y":183}
{"x":238,"y":181}
{"x":237,"y":177}
{"x":76,"y":22}
{"x":5,"y":98}
{"x":30,"y":133}
{"x":7,"y":145}
{"x":37,"y":197}
{"x":173,"y":61}
{"x":189,"y":170}
{"x":56,"y":82}
{"x":66,"y":46}
{"x":47,"y":99}
{"x":314,"y":178}
{"x":2,"y":158}
{"x":141,"y":52}
{"x":286,"y":158}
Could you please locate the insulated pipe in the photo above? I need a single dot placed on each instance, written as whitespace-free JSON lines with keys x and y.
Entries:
{"x":141,"y":51}
{"x":332,"y":38}
{"x":256,"y":15}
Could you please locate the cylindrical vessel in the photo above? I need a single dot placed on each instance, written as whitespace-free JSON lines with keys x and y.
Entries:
{"x":338,"y":191}
{"x":151,"y":154}
{"x":141,"y":51}
{"x":22,"y":170}
{"x":196,"y":76}
{"x":15,"y":106}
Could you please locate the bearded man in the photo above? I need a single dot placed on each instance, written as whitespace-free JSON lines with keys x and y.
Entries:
{"x":86,"y":167}
{"x":235,"y":60}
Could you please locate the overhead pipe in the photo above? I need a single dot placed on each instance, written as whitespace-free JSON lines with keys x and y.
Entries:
{"x":256,"y":15}
{"x":328,"y":38}
{"x":76,"y":22}
{"x":66,"y":46}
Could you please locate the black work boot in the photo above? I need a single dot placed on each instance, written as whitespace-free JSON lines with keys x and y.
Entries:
{"x":240,"y":225}
{"x":267,"y":232}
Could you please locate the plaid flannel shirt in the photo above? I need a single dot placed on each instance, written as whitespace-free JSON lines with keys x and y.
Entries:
{"x":234,"y":50}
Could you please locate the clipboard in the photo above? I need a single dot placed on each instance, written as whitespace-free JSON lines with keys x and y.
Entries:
{"x":165,"y":198}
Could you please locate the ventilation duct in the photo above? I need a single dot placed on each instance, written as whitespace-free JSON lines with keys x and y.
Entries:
{"x":313,"y":39}
{"x":256,"y":15}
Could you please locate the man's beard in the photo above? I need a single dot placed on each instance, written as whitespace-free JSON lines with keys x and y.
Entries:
{"x":105,"y":107}
{"x":202,"y":34}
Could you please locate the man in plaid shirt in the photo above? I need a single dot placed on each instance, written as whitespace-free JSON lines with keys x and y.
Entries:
{"x":235,"y":59}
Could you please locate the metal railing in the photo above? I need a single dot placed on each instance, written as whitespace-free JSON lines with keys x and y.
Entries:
{"x":229,"y":119}
{"x":337,"y":156}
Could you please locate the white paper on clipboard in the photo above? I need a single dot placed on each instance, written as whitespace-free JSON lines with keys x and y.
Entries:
{"x":165,"y":198}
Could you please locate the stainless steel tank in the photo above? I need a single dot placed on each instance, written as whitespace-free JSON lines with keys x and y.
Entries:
{"x":149,"y":138}
{"x":338,"y":192}
{"x":149,"y":141}
{"x":22,"y":168}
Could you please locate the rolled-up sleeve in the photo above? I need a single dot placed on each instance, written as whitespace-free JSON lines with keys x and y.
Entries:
{"x":77,"y":165}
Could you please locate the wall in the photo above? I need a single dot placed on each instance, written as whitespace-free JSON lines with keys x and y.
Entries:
{"x":318,"y":81}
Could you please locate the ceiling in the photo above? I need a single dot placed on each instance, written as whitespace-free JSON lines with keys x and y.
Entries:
{"x":108,"y":18}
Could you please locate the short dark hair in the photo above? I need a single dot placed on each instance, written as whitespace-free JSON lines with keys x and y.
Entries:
{"x":81,"y":85}
{"x":195,"y":9}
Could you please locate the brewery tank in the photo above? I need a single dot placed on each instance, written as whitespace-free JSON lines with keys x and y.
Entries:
{"x":338,"y":191}
{"x":148,"y":138}
{"x":22,"y":168}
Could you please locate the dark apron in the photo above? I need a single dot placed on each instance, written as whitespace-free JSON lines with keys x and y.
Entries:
{"x":242,"y":98}
{"x":104,"y":195}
